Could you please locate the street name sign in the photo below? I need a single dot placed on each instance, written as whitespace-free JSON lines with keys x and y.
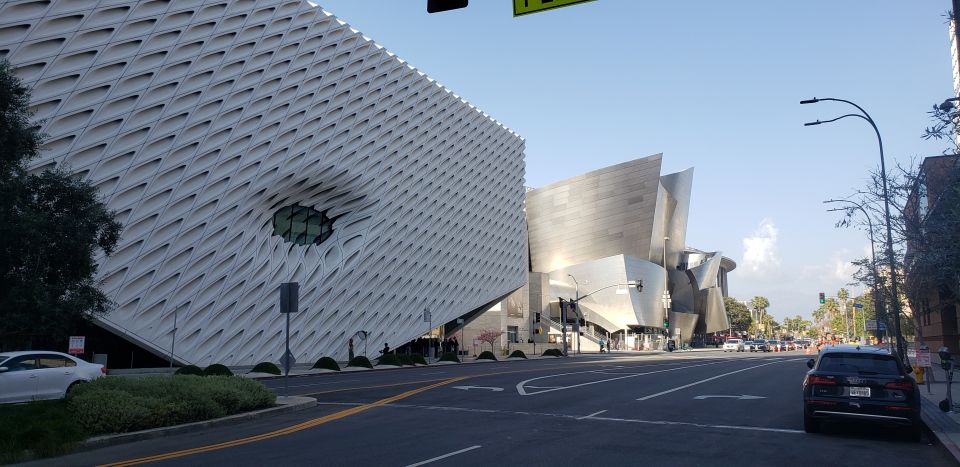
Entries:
{"x":872,"y":325}
{"x":526,"y":7}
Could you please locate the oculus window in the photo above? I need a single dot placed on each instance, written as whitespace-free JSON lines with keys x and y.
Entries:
{"x":302,"y":225}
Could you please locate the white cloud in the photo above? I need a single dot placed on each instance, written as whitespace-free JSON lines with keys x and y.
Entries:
{"x":760,"y":249}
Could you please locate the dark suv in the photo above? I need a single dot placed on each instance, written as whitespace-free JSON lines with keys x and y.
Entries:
{"x":863,"y":384}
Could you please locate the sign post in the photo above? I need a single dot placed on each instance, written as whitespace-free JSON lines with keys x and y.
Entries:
{"x":76,"y":345}
{"x":289,"y":303}
{"x":429,"y":319}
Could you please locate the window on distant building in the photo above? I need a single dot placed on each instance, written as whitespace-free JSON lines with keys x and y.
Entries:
{"x":302,"y":225}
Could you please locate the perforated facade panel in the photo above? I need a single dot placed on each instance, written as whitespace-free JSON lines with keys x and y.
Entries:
{"x":198,"y":120}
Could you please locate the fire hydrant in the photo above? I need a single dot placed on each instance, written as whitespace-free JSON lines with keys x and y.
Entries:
{"x":918,"y":374}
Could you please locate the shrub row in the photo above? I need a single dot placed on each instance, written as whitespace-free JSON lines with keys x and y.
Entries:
{"x":449,"y":357}
{"x":552,"y":353}
{"x":213,"y":370}
{"x":327,"y":363}
{"x":46,"y":428}
{"x":486,"y":355}
{"x":119,"y":405}
{"x":266,"y":367}
{"x":517,"y":354}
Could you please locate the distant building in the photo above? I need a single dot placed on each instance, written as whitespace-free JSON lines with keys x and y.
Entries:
{"x":934,"y":304}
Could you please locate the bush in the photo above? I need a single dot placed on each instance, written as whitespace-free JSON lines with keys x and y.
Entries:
{"x":360,"y":361}
{"x":189,"y":370}
{"x":266,"y":367}
{"x":46,"y":428}
{"x":406,"y":360}
{"x":449,"y":357}
{"x":418,"y":359}
{"x":388,"y":359}
{"x":217,"y":370}
{"x":328,"y":363}
{"x":552,"y":353}
{"x":118,"y":405}
{"x":486,"y":355}
{"x":518,"y":354}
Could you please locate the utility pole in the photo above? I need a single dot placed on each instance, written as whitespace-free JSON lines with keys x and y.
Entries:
{"x":173,"y":340}
{"x":563,"y":324}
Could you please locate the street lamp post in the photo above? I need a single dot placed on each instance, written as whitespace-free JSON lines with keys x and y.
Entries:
{"x":577,"y":309}
{"x":877,"y":296}
{"x":886,"y":206}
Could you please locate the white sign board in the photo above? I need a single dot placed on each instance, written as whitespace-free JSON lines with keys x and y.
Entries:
{"x":76,"y":345}
{"x":923,"y":358}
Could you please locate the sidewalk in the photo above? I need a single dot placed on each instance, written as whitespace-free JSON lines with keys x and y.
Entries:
{"x":944,"y":425}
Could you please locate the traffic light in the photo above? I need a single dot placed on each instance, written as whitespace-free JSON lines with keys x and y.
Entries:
{"x":436,"y":6}
{"x":666,"y":323}
{"x":537,"y":317}
{"x":823,"y":298}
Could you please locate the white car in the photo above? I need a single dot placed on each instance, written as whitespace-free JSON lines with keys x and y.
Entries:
{"x":733,"y":345}
{"x":37,"y":374}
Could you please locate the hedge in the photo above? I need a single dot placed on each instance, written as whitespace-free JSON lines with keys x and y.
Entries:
{"x":266,"y":367}
{"x":328,"y":363}
{"x":119,"y":405}
{"x":406,"y":360}
{"x":189,"y":370}
{"x":388,"y":359}
{"x":217,"y":370}
{"x":418,"y":359}
{"x":449,"y":357}
{"x":486,"y":355}
{"x":517,"y":354}
{"x":45,"y":428}
{"x":361,"y":361}
{"x":552,"y":353}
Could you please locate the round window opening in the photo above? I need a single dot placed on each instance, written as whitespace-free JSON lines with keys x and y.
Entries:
{"x":302,"y":225}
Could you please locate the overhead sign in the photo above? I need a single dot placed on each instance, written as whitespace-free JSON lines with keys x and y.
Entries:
{"x":76,"y":345}
{"x":872,"y":325}
{"x":525,"y":7}
{"x":858,"y":305}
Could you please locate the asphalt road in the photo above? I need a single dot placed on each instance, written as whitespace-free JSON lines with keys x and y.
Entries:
{"x":696,"y":408}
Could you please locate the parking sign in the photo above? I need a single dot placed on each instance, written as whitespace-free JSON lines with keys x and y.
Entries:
{"x":76,"y":345}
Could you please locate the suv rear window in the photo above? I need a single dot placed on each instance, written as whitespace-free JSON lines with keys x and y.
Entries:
{"x":863,"y":364}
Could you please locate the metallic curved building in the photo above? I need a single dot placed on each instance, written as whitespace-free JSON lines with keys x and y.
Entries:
{"x":246,"y":143}
{"x":621,"y":223}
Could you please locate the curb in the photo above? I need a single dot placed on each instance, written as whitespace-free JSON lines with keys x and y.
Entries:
{"x":938,"y":424}
{"x":289,"y":404}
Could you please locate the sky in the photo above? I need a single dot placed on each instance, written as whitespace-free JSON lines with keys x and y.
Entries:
{"x":710,"y":85}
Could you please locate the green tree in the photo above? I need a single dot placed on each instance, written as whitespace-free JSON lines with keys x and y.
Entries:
{"x":737,"y":313}
{"x":52,"y":226}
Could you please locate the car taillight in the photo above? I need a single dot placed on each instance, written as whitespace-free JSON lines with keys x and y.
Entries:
{"x":103,"y":370}
{"x":901,"y":385}
{"x":894,"y":408}
{"x":820,"y":380}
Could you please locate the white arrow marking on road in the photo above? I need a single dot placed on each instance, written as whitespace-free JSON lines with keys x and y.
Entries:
{"x":467,"y":388}
{"x":740,"y":397}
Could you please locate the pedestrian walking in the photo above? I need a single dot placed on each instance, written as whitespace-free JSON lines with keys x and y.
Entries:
{"x":456,"y":345}
{"x":386,"y":349}
{"x":350,"y":348}
{"x":601,"y":345}
{"x":608,"y":346}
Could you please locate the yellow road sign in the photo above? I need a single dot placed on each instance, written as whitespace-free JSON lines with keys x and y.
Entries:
{"x":525,"y":7}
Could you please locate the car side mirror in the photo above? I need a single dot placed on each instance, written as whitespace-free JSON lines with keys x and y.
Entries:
{"x":4,"y":369}
{"x":810,"y":363}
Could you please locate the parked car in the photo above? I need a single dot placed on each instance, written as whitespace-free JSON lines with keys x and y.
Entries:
{"x":863,"y":384}
{"x":803,"y":343}
{"x":733,"y":345}
{"x":36,"y":374}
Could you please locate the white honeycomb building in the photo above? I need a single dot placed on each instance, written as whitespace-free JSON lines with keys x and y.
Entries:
{"x":246,"y":143}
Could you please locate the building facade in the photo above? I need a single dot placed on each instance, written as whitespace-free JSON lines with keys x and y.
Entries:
{"x":592,"y":234}
{"x":247,"y":143}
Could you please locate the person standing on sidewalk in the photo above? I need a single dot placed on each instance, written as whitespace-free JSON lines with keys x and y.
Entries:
{"x":350,"y":348}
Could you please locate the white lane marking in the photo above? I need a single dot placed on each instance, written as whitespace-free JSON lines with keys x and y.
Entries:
{"x":740,"y":397}
{"x":591,"y":415}
{"x":315,"y":384}
{"x":489,"y":388}
{"x":454,"y":453}
{"x":523,"y":392}
{"x":668,"y":391}
{"x":594,"y":417}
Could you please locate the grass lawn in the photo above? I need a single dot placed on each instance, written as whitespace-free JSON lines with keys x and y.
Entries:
{"x":45,"y":427}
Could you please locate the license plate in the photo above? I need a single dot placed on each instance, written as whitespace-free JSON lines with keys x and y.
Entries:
{"x":856,"y":391}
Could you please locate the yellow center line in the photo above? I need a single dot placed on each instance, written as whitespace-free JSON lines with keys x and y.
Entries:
{"x":283,"y":431}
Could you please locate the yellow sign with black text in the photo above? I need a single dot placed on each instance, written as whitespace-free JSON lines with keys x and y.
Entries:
{"x":525,"y":7}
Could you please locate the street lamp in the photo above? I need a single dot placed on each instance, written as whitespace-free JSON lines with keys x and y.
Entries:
{"x":577,"y":309}
{"x":877,"y":296}
{"x":886,"y":205}
{"x":638,"y":283}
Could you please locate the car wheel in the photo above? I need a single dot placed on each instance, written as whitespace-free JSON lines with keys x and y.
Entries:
{"x":914,"y":433}
{"x":72,"y":387}
{"x":810,"y":425}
